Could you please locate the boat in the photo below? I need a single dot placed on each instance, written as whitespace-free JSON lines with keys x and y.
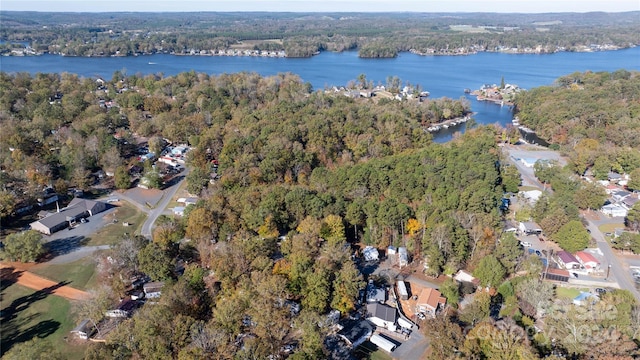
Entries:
{"x":445,"y":126}
{"x":152,"y":63}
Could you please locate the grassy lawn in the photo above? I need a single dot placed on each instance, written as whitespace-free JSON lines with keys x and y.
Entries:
{"x":110,"y":234}
{"x":28,"y":313}
{"x":371,"y":352}
{"x":610,"y":228}
{"x":80,"y":274}
{"x":568,"y":293}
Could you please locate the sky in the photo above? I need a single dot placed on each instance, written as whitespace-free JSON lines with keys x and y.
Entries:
{"x":508,"y":6}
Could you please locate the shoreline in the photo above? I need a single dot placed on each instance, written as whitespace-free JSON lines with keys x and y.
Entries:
{"x":282,"y":54}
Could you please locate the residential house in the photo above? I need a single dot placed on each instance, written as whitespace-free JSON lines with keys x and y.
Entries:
{"x":124,"y":309}
{"x":178,"y":211}
{"x":375,"y":294}
{"x":620,"y":195}
{"x":464,"y":276}
{"x":77,"y":209}
{"x":530,"y":227}
{"x":614,"y":177}
{"x":382,"y":315}
{"x":84,"y":330}
{"x":588,"y":261}
{"x":429,"y":301}
{"x":355,"y":332}
{"x":629,"y":201}
{"x":153,"y":290}
{"x":614,"y":210}
{"x":567,"y":260}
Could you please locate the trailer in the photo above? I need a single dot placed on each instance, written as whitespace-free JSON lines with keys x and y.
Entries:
{"x":402,"y":290}
{"x":383,"y":343}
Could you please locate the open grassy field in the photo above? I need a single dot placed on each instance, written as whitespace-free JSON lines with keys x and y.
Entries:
{"x":80,"y":274}
{"x":110,"y":234}
{"x":28,"y":313}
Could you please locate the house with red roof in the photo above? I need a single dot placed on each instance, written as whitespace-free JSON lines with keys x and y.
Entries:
{"x":588,"y":261}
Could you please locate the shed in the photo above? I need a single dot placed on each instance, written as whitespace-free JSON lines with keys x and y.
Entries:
{"x":383,"y":343}
{"x":391,"y":250}
{"x":370,"y":253}
{"x":403,"y":257}
{"x":557,"y":275}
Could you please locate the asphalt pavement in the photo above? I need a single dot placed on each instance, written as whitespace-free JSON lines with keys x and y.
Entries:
{"x":169,"y":193}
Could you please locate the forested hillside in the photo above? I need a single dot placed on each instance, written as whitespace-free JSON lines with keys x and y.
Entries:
{"x":593,"y":117}
{"x":305,"y":34}
{"x":284,"y":175}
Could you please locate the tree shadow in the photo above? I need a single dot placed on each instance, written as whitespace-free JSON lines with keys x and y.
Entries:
{"x":64,"y":246}
{"x":13,"y":325}
{"x":8,"y":277}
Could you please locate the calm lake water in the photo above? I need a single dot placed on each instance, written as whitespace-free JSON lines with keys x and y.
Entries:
{"x":440,"y":75}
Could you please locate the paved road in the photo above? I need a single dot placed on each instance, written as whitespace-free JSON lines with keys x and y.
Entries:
{"x":618,"y":271}
{"x":169,"y":192}
{"x":77,"y":254}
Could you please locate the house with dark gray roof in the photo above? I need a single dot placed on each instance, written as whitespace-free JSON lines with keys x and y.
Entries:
{"x":77,"y":209}
{"x":382,"y":315}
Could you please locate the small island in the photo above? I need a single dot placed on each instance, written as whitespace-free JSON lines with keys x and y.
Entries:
{"x":502,"y":94}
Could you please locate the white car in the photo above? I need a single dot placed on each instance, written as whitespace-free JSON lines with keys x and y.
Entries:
{"x":525,"y":243}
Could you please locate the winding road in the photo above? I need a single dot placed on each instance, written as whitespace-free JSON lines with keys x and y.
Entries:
{"x":169,"y":192}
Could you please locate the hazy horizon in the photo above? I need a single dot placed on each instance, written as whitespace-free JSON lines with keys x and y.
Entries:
{"x":423,"y":6}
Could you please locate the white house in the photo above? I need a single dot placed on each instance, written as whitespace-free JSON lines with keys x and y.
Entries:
{"x":588,"y":261}
{"x":614,"y":210}
{"x":529,"y":227}
{"x":382,"y":315}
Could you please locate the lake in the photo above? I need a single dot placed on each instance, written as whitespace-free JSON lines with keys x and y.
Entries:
{"x":440,"y":75}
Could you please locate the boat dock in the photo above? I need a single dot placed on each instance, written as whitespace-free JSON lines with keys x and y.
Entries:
{"x":448,"y":123}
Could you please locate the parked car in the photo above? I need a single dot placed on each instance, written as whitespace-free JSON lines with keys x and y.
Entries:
{"x":526,"y":244}
{"x":575,"y":275}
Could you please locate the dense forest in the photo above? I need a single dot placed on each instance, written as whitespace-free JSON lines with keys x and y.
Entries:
{"x":302,"y":35}
{"x":291,"y":184}
{"x":594,"y":118}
